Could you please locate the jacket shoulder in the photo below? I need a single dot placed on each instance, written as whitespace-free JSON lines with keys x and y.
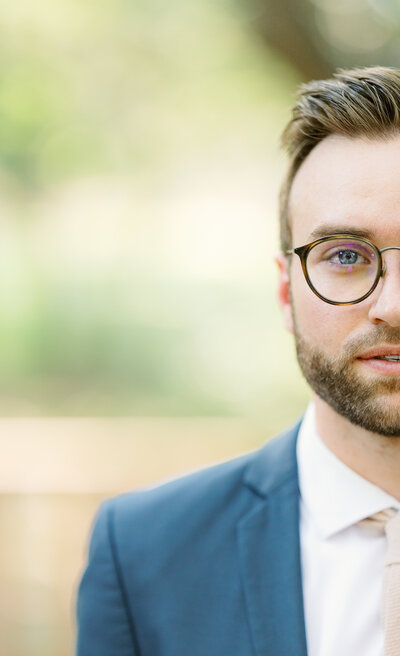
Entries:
{"x":208,"y":491}
{"x":163,"y":561}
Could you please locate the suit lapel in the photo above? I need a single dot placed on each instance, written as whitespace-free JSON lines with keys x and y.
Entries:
{"x":269,"y":552}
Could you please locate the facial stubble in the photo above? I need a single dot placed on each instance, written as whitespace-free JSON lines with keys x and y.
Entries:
{"x":365,"y":403}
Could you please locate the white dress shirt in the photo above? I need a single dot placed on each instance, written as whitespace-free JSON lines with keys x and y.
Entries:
{"x":342,"y":564}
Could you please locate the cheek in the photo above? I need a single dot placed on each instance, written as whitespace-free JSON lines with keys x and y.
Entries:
{"x":321,"y":323}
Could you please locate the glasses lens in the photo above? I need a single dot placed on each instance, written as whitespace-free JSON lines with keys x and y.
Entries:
{"x":342,"y":270}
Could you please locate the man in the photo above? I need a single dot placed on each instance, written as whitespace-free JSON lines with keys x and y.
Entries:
{"x":282,"y":552}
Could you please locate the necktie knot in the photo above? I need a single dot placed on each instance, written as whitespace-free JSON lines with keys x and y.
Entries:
{"x":379,"y":520}
{"x":387,"y":521}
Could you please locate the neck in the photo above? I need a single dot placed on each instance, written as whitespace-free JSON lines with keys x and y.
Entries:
{"x":372,"y":456}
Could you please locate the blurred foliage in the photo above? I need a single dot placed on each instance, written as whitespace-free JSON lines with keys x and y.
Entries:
{"x":317,"y":36}
{"x":138,"y":166}
{"x":110,"y":86}
{"x":139,"y":172}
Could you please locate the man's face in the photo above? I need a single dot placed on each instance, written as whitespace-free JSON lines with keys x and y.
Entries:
{"x":348,"y":184}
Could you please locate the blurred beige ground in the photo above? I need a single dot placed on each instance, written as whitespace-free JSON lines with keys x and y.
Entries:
{"x":53,"y":475}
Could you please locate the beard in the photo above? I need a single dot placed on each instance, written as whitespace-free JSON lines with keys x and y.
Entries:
{"x":364,"y":402}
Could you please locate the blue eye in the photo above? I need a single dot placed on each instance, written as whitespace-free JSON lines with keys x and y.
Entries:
{"x":347,"y":257}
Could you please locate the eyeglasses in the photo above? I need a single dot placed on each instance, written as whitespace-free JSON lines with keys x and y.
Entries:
{"x":342,"y":269}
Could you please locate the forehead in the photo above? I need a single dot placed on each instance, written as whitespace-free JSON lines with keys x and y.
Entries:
{"x":348,"y":183}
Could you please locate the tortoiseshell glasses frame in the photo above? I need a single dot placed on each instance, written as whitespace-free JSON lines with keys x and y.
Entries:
{"x":304,"y":251}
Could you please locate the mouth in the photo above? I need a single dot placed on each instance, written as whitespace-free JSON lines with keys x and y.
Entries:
{"x":384,"y":360}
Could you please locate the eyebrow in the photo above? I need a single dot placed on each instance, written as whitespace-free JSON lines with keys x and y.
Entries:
{"x":326,"y":230}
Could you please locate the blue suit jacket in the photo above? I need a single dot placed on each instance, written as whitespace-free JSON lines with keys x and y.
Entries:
{"x":206,"y":565}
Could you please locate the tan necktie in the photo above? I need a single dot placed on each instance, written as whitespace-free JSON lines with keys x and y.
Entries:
{"x":389,"y":521}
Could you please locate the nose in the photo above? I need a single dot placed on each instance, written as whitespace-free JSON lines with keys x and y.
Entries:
{"x":386,"y":297}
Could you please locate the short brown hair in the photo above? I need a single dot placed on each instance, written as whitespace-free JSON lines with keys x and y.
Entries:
{"x":356,"y":102}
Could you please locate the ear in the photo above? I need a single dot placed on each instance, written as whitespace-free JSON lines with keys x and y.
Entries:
{"x":283,"y":264}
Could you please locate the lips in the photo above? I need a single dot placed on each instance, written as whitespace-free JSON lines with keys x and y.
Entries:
{"x":381,"y":352}
{"x":383,"y":360}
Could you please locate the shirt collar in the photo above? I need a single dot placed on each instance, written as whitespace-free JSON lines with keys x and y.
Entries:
{"x":334,"y":495}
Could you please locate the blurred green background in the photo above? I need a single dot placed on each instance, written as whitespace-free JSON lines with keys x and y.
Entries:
{"x":138,"y":185}
{"x":139,"y":174}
